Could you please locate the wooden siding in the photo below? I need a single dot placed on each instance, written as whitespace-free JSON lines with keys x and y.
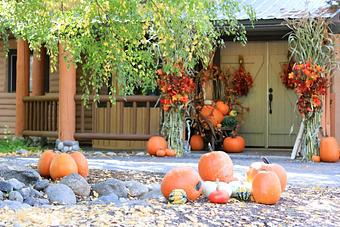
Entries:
{"x":335,"y":115}
{"x":7,"y":113}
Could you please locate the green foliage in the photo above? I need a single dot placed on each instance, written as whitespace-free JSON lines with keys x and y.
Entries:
{"x":12,"y":145}
{"x":124,"y":41}
{"x":229,"y":122}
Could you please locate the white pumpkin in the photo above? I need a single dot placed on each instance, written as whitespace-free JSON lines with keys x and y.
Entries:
{"x":210,"y":186}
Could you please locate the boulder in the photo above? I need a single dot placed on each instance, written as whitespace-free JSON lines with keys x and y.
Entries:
{"x":154,"y":194}
{"x":6,"y":186}
{"x":111,"y":198}
{"x":36,"y":193}
{"x":21,"y":173}
{"x":111,"y":186}
{"x":15,"y":205}
{"x":15,"y":196}
{"x":17,"y":185}
{"x":136,"y":188}
{"x":77,"y":183}
{"x":25,"y":192}
{"x":60,"y":194}
{"x":36,"y":201}
{"x":41,"y":185}
{"x":1,"y":195}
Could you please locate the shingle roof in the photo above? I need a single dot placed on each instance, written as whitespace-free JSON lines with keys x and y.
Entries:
{"x":283,"y":9}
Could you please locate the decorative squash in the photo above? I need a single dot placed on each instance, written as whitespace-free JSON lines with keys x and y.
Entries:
{"x":212,"y":114}
{"x":45,"y":162}
{"x":218,"y":196}
{"x":256,"y":167}
{"x":170,"y":152}
{"x":156,"y":143}
{"x":316,"y":158}
{"x":160,"y":153}
{"x":216,"y":164}
{"x":196,"y":143}
{"x":222,"y":107}
{"x":81,"y":161}
{"x":185,"y":178}
{"x":62,"y":165}
{"x":234,"y":144}
{"x":266,"y":188}
{"x":178,"y":196}
{"x":210,"y":186}
{"x":329,"y":149}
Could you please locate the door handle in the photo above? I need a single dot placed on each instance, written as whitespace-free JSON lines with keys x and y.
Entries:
{"x":270,"y":98}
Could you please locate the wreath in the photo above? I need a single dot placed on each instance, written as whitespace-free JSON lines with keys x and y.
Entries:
{"x":242,"y":80}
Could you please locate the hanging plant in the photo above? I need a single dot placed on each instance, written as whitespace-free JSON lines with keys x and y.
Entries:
{"x":242,"y":80}
{"x":287,"y":68}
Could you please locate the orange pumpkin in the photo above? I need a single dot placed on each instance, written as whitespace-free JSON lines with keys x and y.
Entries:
{"x":222,"y":107}
{"x":185,"y":178}
{"x":316,"y":158}
{"x":156,"y":143}
{"x":213,"y":115}
{"x":196,"y":143}
{"x":329,"y":150}
{"x":256,"y":167}
{"x":234,"y":144}
{"x":81,"y":161}
{"x":170,"y":152}
{"x":160,"y":153}
{"x":266,"y":188}
{"x":45,"y":162}
{"x":62,"y":165}
{"x":216,"y":165}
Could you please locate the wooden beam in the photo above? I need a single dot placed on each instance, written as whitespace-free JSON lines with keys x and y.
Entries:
{"x":22,"y":84}
{"x":38,"y":73}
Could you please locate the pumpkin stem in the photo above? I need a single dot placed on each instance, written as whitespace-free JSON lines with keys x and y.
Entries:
{"x":265,"y":160}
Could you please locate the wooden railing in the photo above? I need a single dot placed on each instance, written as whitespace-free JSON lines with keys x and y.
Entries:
{"x":41,"y":117}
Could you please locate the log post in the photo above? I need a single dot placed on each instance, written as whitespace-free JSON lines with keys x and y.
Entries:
{"x":38,"y":73}
{"x":67,"y":91}
{"x":22,"y":84}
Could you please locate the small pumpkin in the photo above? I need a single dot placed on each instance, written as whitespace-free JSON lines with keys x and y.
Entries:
{"x":234,"y":144}
{"x":218,"y":196}
{"x":170,"y":152}
{"x":196,"y":143}
{"x":210,"y":186}
{"x":222,"y":107}
{"x":216,"y":164}
{"x":155,"y":143}
{"x":160,"y":153}
{"x":45,"y":162}
{"x":185,"y":178}
{"x":212,"y":114}
{"x":82,"y":164}
{"x":256,"y":167}
{"x":62,"y":165}
{"x":178,"y":196}
{"x":316,"y":158}
{"x":266,"y":188}
{"x":329,"y":149}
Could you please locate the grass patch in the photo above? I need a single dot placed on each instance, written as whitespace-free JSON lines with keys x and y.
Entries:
{"x":12,"y":145}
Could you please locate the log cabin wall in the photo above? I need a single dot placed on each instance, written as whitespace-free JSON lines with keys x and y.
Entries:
{"x":7,"y":100}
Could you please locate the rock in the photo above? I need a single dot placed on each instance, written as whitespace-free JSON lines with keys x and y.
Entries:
{"x":154,"y":194}
{"x":123,"y":200}
{"x":70,"y":143}
{"x":1,"y":195}
{"x":25,"y":192}
{"x":21,"y":173}
{"x":65,"y":149}
{"x":136,"y":188}
{"x":154,"y":186}
{"x":111,"y":198}
{"x":6,"y":186}
{"x":36,"y":201}
{"x":60,"y":146}
{"x":15,"y":196}
{"x":109,"y":186}
{"x":140,"y":154}
{"x":77,"y":183}
{"x":22,"y":152}
{"x":60,"y":194}
{"x":15,"y":205}
{"x":75,"y":148}
{"x":111,"y":153}
{"x":17,"y":185}
{"x":36,"y":193}
{"x":41,"y":184}
{"x":98,"y":153}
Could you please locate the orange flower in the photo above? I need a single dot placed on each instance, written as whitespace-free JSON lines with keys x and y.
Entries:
{"x":291,"y":75}
{"x":316,"y":101}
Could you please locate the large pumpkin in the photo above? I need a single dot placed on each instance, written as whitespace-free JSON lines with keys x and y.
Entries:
{"x":185,"y":178}
{"x":256,"y":167}
{"x":222,"y":107}
{"x":329,"y":150}
{"x":216,"y":165}
{"x":266,"y":188}
{"x":234,"y":144}
{"x":62,"y":165}
{"x":196,"y":143}
{"x":156,"y":143}
{"x":81,"y":161}
{"x":212,"y":114}
{"x":45,"y":162}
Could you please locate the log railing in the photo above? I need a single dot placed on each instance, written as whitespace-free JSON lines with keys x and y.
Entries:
{"x":41,"y":117}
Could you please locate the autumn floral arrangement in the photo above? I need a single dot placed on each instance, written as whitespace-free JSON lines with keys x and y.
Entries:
{"x":242,"y":80}
{"x":176,"y":89}
{"x":287,"y":68}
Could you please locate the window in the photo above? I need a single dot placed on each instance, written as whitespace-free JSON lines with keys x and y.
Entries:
{"x":12,"y":71}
